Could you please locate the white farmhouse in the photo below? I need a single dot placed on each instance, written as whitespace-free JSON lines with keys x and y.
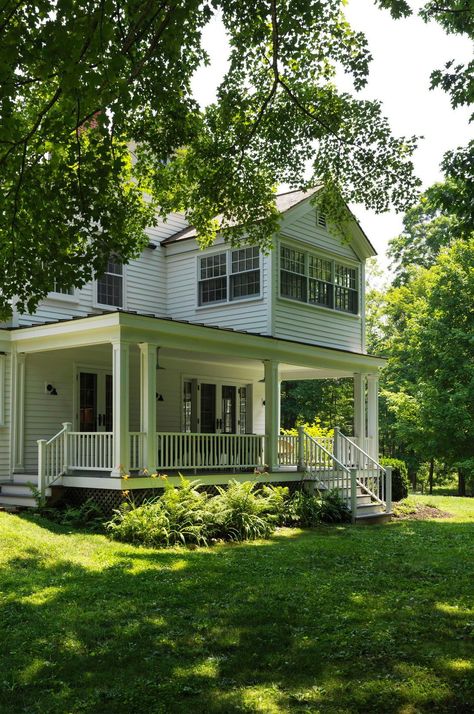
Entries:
{"x":173,"y":363}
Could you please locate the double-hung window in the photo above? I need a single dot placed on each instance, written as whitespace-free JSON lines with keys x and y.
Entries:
{"x":317,"y":280}
{"x":232,"y":275}
{"x":110,"y":284}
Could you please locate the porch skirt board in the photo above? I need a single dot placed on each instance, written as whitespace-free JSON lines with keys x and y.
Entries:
{"x":109,"y":500}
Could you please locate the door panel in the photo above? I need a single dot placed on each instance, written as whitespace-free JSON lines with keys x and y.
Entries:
{"x":229,"y":409}
{"x":208,"y":408}
{"x":87,"y":401}
{"x":95,"y":401}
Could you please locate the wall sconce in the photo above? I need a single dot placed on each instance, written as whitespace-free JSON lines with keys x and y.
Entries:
{"x":51,"y":390}
{"x":159,"y":397}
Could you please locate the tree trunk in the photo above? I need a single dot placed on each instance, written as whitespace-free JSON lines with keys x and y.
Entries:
{"x":430,"y":476}
{"x":461,"y":483}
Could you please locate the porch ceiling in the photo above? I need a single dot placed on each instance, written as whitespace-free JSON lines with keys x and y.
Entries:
{"x":196,"y":342}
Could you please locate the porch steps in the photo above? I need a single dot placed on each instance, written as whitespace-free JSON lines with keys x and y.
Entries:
{"x":17,"y":493}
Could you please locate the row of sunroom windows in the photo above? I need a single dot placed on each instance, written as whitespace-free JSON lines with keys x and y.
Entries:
{"x":304,"y":276}
{"x":236,"y":275}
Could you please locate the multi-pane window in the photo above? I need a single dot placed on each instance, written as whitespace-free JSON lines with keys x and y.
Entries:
{"x":229,"y":276}
{"x":293,"y":280}
{"x":318,"y":281}
{"x":110,"y":284}
{"x":345,"y":290}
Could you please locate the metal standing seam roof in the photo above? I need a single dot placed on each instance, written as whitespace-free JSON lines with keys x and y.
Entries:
{"x":185,"y":322}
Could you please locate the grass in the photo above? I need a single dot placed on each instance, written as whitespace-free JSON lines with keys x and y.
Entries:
{"x":339,"y":619}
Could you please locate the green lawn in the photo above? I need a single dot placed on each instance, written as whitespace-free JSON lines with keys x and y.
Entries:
{"x":339,"y":619}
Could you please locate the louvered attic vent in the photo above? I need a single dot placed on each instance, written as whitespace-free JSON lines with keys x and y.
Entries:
{"x":321,"y":220}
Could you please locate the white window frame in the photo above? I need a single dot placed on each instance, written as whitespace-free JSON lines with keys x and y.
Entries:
{"x":333,"y":260}
{"x":104,"y":306}
{"x":228,"y":275}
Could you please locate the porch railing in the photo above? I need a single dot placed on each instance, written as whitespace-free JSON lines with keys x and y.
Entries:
{"x":372,"y":478}
{"x":325,"y":468}
{"x":52,"y":459}
{"x":91,"y":450}
{"x":209,"y":451}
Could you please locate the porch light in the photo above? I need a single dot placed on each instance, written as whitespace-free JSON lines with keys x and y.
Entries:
{"x":159,"y":397}
{"x":158,"y":365}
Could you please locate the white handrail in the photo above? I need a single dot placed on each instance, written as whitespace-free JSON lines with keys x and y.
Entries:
{"x":322,"y":465}
{"x":372,"y":478}
{"x":52,"y":458}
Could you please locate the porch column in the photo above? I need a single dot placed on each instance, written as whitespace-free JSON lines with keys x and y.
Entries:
{"x":359,"y":409}
{"x":18,"y":412}
{"x":148,"y":403}
{"x":272,"y":413}
{"x":373,"y":415}
{"x":120,"y":366}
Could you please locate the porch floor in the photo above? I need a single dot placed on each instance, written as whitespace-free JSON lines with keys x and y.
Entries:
{"x":102,"y":480}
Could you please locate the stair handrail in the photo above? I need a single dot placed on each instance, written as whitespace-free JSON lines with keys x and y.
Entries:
{"x":331,"y":456}
{"x":368,"y":456}
{"x":386,"y":492}
{"x":52,"y":458}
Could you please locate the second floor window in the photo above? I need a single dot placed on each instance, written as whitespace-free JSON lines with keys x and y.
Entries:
{"x":319,"y":281}
{"x":229,"y":276}
{"x":110,"y":284}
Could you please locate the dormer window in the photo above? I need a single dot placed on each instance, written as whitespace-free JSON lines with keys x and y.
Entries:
{"x":110,"y":284}
{"x":229,"y":276}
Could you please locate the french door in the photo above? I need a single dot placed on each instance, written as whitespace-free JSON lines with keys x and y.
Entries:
{"x":218,"y":408}
{"x":94,"y":400}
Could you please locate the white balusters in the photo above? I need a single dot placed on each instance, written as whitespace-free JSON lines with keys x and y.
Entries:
{"x":208,"y":451}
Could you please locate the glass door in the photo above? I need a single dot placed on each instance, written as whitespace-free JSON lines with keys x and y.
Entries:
{"x":228,"y":419}
{"x":209,"y":423}
{"x":95,"y":401}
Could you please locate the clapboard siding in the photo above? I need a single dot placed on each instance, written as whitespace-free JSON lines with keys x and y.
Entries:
{"x":145,"y":284}
{"x":308,"y":323}
{"x":5,"y":394}
{"x":182,"y":289}
{"x":305,"y":229}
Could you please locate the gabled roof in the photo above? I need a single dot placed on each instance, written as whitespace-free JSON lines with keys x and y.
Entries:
{"x":284,"y":203}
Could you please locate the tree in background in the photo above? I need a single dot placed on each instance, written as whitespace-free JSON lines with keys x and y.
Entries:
{"x":82,"y":82}
{"x":330,"y":401}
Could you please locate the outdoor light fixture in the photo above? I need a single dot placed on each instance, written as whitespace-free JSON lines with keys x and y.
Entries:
{"x":158,"y":366}
{"x":51,"y":390}
{"x":159,"y":397}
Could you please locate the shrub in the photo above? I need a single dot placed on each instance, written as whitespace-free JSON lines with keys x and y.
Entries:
{"x":275,"y":503}
{"x":179,"y":516}
{"x":240,"y":512}
{"x":308,"y":510}
{"x":400,"y":480}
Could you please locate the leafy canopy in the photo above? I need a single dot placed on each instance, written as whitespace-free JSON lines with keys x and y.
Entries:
{"x":82,"y":82}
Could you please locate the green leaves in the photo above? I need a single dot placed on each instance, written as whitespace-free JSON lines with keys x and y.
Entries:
{"x":83,"y":83}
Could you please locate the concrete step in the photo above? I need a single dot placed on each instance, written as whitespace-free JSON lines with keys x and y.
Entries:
{"x":373,"y":519}
{"x":18,"y":501}
{"x":18,"y":489}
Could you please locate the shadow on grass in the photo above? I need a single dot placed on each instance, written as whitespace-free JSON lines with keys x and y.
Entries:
{"x":338,"y":619}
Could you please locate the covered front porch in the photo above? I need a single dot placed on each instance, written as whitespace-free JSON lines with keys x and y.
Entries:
{"x":117,"y":400}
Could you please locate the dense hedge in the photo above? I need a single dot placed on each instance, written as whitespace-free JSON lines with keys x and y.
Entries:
{"x":400,"y":480}
{"x":241,"y":511}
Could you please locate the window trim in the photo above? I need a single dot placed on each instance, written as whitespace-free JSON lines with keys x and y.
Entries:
{"x":64,"y":297}
{"x":228,"y":274}
{"x":343,"y":262}
{"x":3,"y":392}
{"x":104,"y":306}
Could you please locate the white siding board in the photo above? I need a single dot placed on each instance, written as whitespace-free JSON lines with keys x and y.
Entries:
{"x":305,"y":229}
{"x":182,"y":290}
{"x":5,"y":428}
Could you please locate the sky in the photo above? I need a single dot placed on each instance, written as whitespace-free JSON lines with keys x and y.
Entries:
{"x":404,"y":54}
